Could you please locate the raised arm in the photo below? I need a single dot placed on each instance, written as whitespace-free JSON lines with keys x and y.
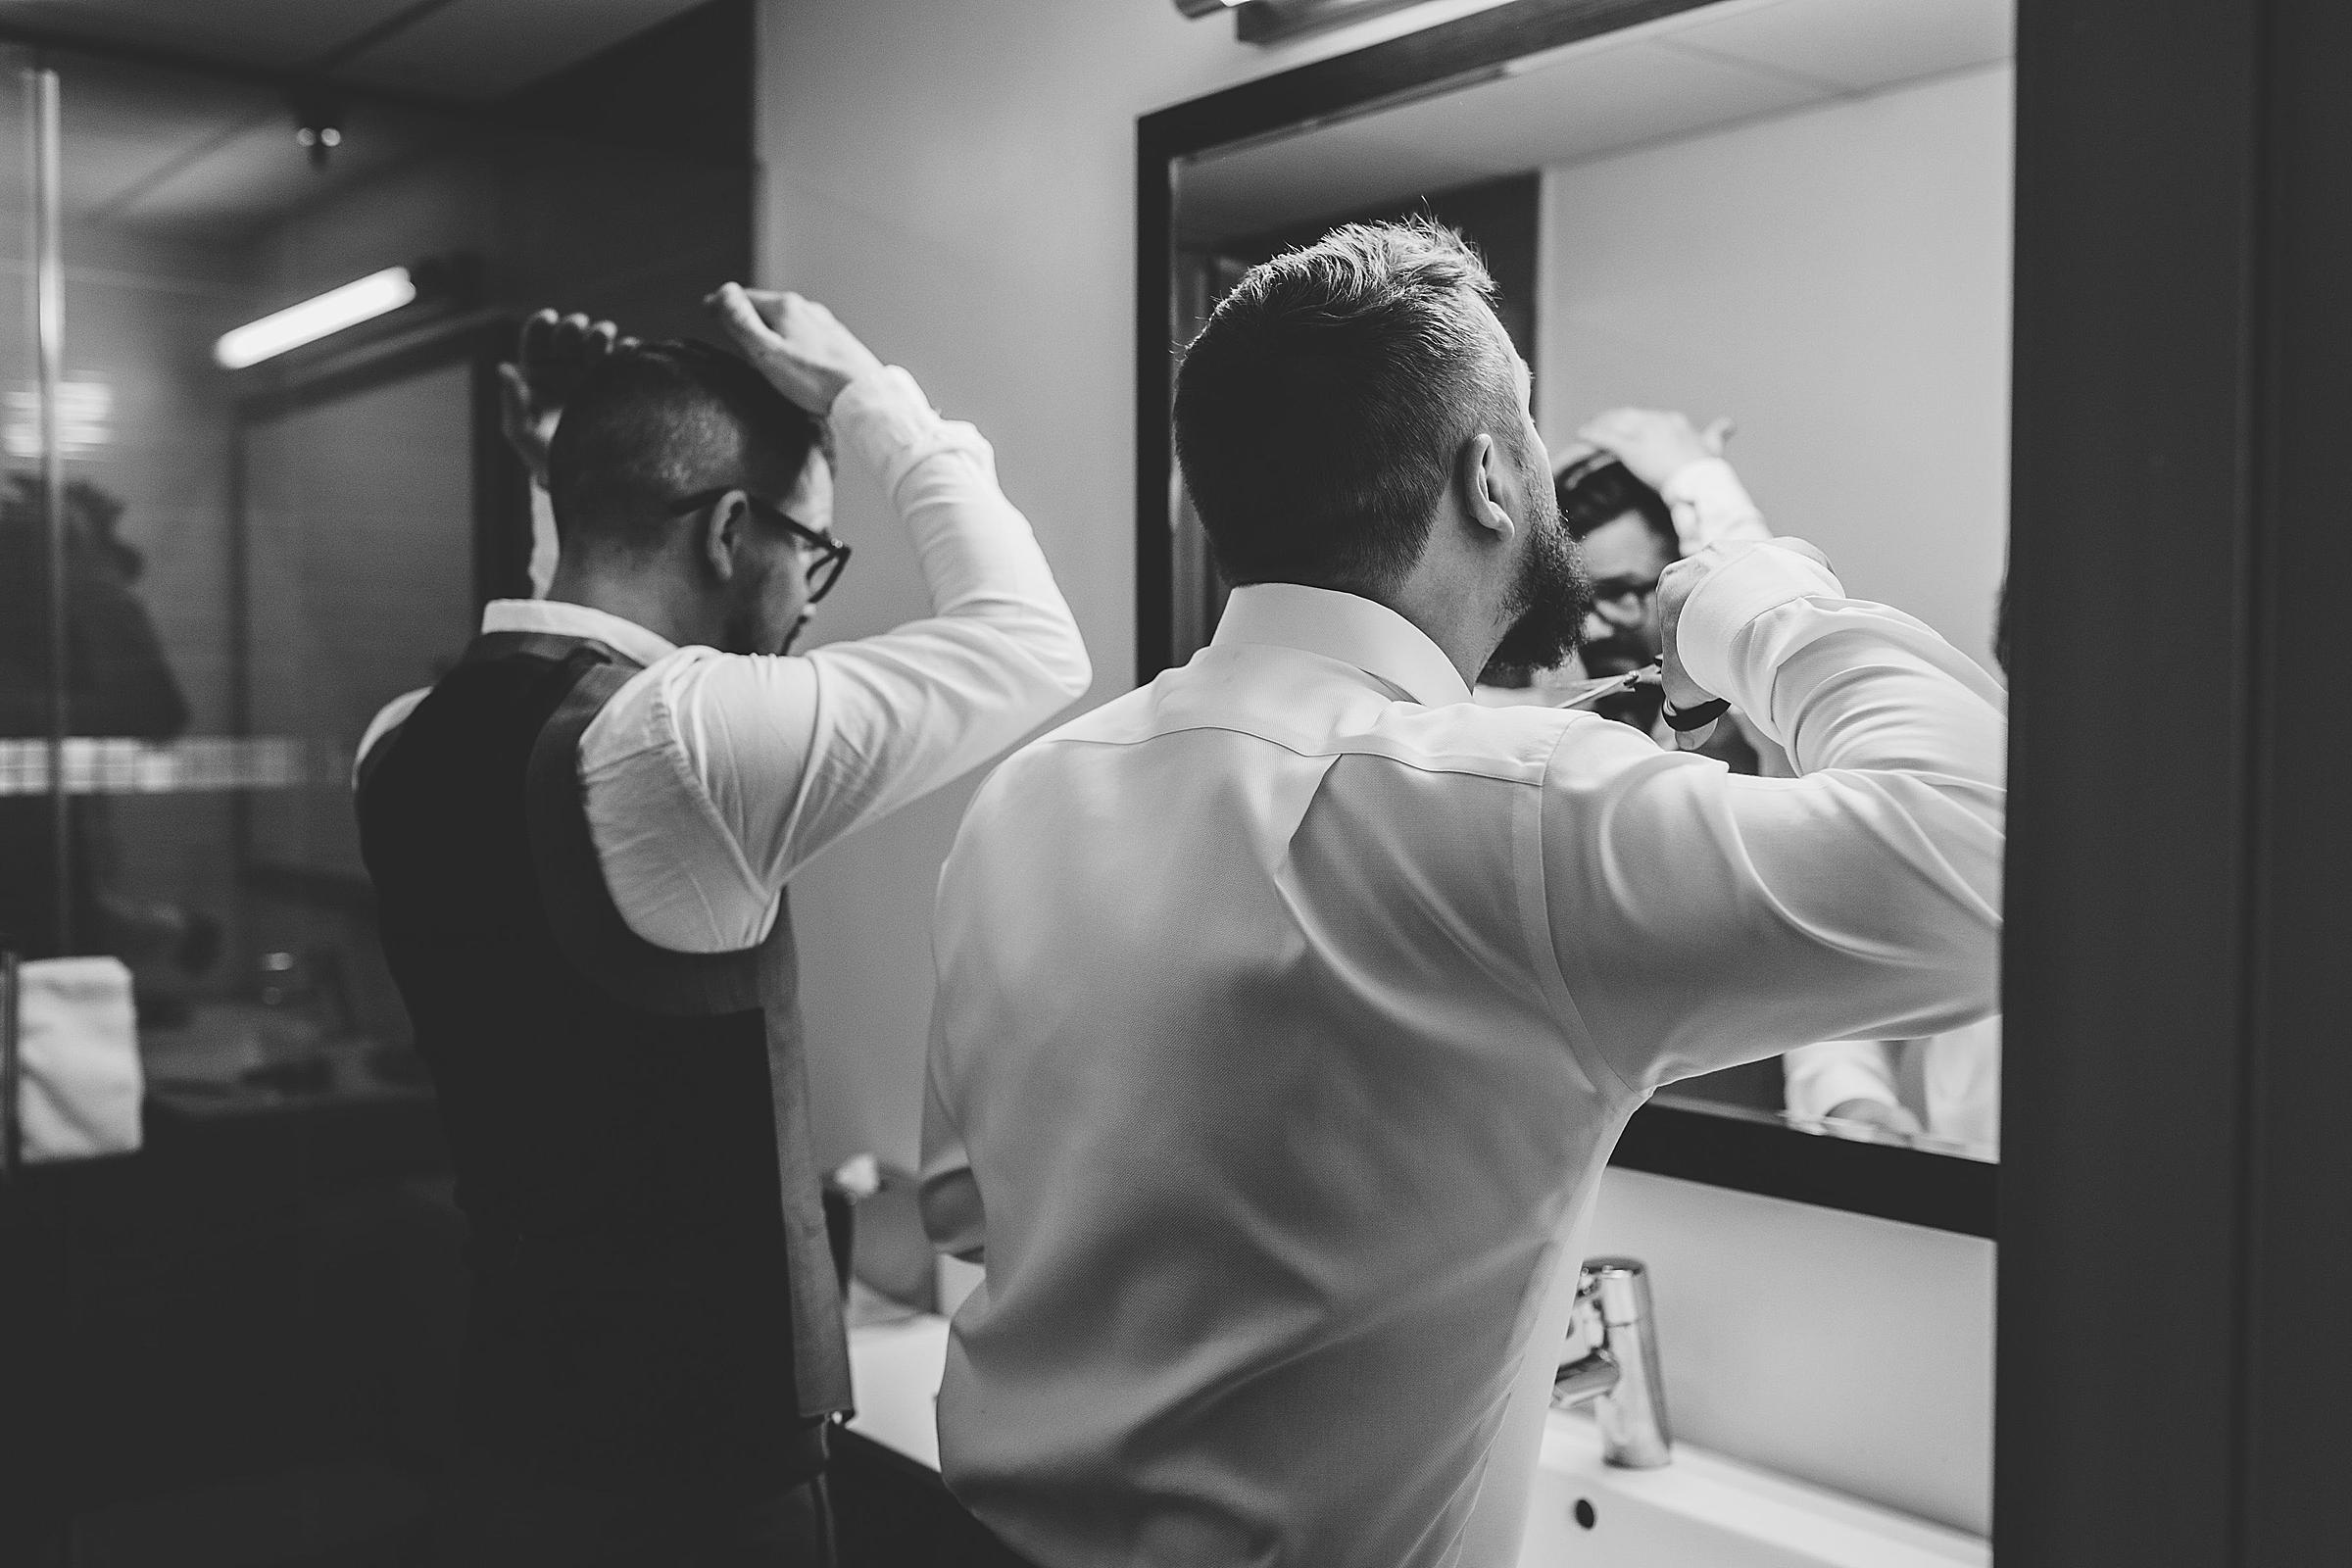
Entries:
{"x":552,"y":352}
{"x":1686,"y":465}
{"x":794,"y":752}
{"x":1703,"y":919}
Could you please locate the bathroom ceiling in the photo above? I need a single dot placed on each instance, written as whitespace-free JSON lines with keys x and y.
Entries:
{"x":1697,"y":71}
{"x":466,"y":50}
{"x":167,"y":151}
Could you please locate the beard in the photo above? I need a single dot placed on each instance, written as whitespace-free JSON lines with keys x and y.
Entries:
{"x":1618,"y":653}
{"x":1553,"y":595}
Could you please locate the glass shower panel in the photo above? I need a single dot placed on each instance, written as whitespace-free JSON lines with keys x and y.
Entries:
{"x":34,"y":829}
{"x":264,"y":1301}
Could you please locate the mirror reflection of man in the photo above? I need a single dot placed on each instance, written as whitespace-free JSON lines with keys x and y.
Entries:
{"x":1289,"y":1006}
{"x":581,"y":840}
{"x":1641,"y":489}
{"x":1946,"y":1086}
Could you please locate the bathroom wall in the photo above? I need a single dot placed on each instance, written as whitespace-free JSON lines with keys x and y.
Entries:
{"x":958,"y":183}
{"x":1835,"y":279}
{"x":1855,"y":1352}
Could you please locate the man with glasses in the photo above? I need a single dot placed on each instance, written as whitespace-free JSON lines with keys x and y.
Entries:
{"x":1646,"y":489}
{"x":580,"y":839}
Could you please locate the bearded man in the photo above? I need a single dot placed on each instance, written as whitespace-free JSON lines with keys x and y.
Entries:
{"x":1289,"y":1006}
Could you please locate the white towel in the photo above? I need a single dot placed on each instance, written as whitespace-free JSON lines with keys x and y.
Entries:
{"x":80,"y":1090}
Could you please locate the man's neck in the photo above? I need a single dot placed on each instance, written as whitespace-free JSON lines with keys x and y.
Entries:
{"x":1463,"y":634}
{"x":646,"y":598}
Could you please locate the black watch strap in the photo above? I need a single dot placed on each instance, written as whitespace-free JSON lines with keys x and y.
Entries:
{"x":1681,"y":720}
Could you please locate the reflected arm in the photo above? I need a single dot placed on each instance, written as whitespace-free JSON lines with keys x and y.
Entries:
{"x":1829,"y":1074}
{"x":1711,"y":506}
{"x":1703,"y":919}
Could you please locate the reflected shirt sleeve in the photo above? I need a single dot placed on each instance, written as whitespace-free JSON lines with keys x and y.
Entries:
{"x":1703,"y":919}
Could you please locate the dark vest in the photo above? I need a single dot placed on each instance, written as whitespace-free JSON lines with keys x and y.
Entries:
{"x":654,"y":1298}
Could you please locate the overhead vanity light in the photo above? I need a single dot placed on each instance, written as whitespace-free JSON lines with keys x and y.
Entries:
{"x":1266,"y":21}
{"x":361,"y":300}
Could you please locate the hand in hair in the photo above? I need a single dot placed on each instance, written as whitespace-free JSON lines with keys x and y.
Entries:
{"x":1656,"y":445}
{"x":551,"y":356}
{"x":798,"y":345}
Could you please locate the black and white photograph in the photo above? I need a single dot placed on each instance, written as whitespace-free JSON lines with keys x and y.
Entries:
{"x":1175,"y":783}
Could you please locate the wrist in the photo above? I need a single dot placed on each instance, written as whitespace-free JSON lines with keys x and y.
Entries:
{"x":879,"y":414}
{"x":1689,"y":478}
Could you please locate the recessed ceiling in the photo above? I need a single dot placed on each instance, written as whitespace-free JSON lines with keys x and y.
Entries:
{"x":163,"y":150}
{"x":1694,"y":72}
{"x":167,"y":152}
{"x":463,"y":50}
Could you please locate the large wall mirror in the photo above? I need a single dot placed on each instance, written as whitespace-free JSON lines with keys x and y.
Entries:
{"x":1792,"y":213}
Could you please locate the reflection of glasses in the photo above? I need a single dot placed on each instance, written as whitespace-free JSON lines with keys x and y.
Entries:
{"x":832,"y":554}
{"x":1616,"y":590}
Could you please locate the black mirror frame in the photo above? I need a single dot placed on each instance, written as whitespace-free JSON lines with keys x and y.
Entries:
{"x":1939,"y":1192}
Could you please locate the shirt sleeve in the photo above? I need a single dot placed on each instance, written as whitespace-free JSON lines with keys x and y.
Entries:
{"x":780,"y":756}
{"x":388,"y":718}
{"x":1703,"y":919}
{"x":1711,"y":506}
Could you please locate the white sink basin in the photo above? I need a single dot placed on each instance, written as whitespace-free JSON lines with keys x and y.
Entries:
{"x":1706,"y":1511}
{"x":1702,"y":1511}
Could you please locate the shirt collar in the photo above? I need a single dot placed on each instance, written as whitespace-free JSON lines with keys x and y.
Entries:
{"x":561,"y":619}
{"x":1347,"y":627}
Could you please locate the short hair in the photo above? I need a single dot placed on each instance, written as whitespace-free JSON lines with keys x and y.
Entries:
{"x":1319,"y":412}
{"x":654,"y":422}
{"x":1596,"y":490}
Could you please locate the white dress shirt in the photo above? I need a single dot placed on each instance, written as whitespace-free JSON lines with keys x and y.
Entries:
{"x":711,"y":777}
{"x":1288,"y":1008}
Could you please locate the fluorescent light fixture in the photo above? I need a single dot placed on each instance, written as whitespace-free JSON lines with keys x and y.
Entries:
{"x":360,"y":299}
{"x":1267,"y":21}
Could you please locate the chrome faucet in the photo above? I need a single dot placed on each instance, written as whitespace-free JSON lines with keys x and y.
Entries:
{"x":1618,"y":1374}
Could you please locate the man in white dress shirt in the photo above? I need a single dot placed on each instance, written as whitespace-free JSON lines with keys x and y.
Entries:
{"x":1289,"y":1006}
{"x":581,"y":840}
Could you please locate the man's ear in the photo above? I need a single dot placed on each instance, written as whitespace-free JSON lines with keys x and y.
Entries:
{"x":723,"y":530}
{"x":1480,"y":475}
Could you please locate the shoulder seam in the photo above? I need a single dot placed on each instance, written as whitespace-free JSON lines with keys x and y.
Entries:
{"x":1450,"y":764}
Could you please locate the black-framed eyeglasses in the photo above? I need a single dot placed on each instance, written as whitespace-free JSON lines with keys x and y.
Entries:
{"x":832,"y":552}
{"x":1619,"y":590}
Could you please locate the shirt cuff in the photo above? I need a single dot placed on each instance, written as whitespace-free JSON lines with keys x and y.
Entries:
{"x":889,"y":425}
{"x":1757,"y":579}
